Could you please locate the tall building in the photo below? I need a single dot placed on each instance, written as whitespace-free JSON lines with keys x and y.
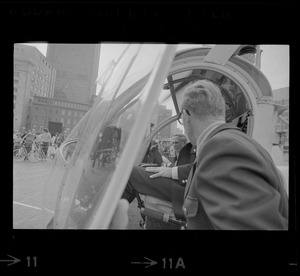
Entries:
{"x":175,"y":129}
{"x":281,"y":96}
{"x":33,"y":75}
{"x":77,"y":71}
{"x":160,"y":114}
{"x":164,"y":113}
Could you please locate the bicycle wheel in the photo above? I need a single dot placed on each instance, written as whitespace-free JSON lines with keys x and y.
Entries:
{"x":33,"y":156}
{"x":19,"y":154}
{"x":41,"y":154}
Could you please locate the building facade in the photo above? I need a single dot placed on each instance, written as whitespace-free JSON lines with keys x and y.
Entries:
{"x":45,"y":111}
{"x":160,"y":114}
{"x":33,"y":75}
{"x":175,"y":129}
{"x":281,"y":97}
{"x":77,"y":71}
{"x":163,"y":114}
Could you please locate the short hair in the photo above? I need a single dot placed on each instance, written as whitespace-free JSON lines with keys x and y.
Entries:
{"x":204,"y":98}
{"x":181,"y":137}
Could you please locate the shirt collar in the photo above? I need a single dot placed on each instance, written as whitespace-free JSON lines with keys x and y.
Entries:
{"x":207,"y":131}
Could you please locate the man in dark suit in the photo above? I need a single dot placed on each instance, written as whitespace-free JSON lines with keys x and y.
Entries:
{"x":178,"y":142}
{"x":234,"y":183}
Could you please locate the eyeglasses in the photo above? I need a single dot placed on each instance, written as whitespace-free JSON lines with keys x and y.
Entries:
{"x":179,"y":119}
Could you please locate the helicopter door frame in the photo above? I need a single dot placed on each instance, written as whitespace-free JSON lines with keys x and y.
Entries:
{"x":192,"y":63}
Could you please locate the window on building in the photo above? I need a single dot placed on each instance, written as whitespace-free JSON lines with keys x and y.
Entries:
{"x":15,"y":89}
{"x":75,"y":113}
{"x":62,"y":120}
{"x":68,"y":121}
{"x":16,"y":74}
{"x":285,"y":149}
{"x":69,"y":113}
{"x":16,"y":82}
{"x":278,"y":127}
{"x":56,"y":111}
{"x":74,"y":122}
{"x":62,"y":112}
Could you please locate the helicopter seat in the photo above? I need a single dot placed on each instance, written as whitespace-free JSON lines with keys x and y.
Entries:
{"x":160,"y":215}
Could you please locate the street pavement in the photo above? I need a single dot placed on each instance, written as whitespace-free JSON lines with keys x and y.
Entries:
{"x":28,"y":190}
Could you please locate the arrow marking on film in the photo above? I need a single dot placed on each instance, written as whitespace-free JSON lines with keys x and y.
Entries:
{"x":12,"y":261}
{"x":150,"y":263}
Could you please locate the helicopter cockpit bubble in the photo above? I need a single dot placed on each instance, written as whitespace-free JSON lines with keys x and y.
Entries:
{"x":88,"y":165}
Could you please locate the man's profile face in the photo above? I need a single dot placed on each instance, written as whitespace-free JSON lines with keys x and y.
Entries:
{"x":178,"y":144}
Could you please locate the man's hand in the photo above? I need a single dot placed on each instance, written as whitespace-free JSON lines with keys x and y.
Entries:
{"x":120,"y":218}
{"x":160,"y":172}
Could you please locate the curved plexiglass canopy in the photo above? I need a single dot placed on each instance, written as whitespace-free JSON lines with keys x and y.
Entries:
{"x":93,"y":159}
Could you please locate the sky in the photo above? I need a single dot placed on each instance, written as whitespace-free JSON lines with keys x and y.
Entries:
{"x":274,"y":61}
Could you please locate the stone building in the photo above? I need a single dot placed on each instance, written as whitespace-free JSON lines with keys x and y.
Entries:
{"x":34,"y":75}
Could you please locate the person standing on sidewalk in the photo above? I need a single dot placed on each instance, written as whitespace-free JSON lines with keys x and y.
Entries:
{"x":45,"y":139}
{"x":28,"y":140}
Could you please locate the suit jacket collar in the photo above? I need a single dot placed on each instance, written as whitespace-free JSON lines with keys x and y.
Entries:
{"x":213,"y":133}
{"x":221,"y":128}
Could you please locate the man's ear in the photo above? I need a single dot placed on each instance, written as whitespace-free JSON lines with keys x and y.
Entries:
{"x":188,"y":119}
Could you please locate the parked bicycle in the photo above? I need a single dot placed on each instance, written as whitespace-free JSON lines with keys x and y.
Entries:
{"x":20,"y":153}
{"x":36,"y":154}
